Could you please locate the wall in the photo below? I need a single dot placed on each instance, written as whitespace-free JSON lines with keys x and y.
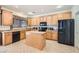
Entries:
{"x":75,"y":10}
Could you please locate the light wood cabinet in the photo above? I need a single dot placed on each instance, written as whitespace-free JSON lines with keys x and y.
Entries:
{"x":0,"y":19}
{"x":51,"y":35}
{"x":34,"y":21}
{"x":36,"y":40}
{"x":37,"y":20}
{"x":8,"y":38}
{"x":49,"y":20}
{"x":29,"y":22}
{"x":43,"y":19}
{"x":22,"y":34}
{"x":60,"y":16}
{"x":7,"y":18}
{"x":55,"y":19}
{"x":54,"y":35}
{"x":65,"y":15}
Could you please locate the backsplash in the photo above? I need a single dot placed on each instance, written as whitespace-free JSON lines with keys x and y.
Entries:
{"x":4,"y":27}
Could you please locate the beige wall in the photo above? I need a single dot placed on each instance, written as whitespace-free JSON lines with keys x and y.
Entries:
{"x":75,"y":10}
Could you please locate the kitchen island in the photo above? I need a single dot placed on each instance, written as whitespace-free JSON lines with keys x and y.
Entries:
{"x":36,"y":39}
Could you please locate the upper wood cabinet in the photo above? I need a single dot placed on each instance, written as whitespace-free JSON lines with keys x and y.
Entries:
{"x":34,"y":21}
{"x":43,"y":19}
{"x":65,"y":15}
{"x":60,"y":16}
{"x":37,"y":20}
{"x":7,"y":18}
{"x":29,"y":22}
{"x":49,"y":20}
{"x":55,"y":19}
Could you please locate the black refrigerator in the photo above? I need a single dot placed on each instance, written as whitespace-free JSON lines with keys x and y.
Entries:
{"x":66,"y":32}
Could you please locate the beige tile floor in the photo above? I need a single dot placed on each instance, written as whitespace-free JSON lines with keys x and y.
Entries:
{"x":51,"y":47}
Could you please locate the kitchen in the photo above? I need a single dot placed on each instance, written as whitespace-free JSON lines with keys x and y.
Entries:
{"x":36,"y":29}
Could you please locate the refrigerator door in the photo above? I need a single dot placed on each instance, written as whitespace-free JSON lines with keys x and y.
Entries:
{"x":61,"y":31}
{"x":66,"y":32}
{"x":72,"y":32}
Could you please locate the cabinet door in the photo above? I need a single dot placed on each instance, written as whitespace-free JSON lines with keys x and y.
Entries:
{"x":49,"y":36}
{"x":55,"y":19}
{"x":43,"y":19}
{"x":7,"y":38}
{"x":7,"y":18}
{"x":49,"y":20}
{"x":29,"y":22}
{"x":34,"y":21}
{"x":37,"y":20}
{"x":0,"y":20}
{"x":22,"y":34}
{"x":67,"y":15}
{"x":60,"y":16}
{"x":54,"y":35}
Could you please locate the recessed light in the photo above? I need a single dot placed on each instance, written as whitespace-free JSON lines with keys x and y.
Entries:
{"x":59,"y":6}
{"x":30,"y":13}
{"x":16,"y":6}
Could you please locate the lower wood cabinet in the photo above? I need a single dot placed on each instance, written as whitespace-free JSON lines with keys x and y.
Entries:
{"x":51,"y":35}
{"x":8,"y":38}
{"x":48,"y":35}
{"x":23,"y":34}
{"x":12,"y":37}
{"x":54,"y":35}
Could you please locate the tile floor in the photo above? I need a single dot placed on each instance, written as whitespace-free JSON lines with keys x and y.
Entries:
{"x":51,"y":47}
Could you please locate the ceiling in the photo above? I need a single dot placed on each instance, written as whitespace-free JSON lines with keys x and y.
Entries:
{"x":36,"y":9}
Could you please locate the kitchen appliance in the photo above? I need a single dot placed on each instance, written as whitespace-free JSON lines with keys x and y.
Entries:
{"x":43,"y":26}
{"x":66,"y":31}
{"x":0,"y":38}
{"x":16,"y":36}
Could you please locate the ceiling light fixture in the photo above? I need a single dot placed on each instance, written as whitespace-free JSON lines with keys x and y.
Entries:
{"x":16,"y":6}
{"x":59,"y":6}
{"x":30,"y":13}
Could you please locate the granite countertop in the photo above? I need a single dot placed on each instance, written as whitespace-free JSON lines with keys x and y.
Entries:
{"x":13,"y":30}
{"x":35,"y":32}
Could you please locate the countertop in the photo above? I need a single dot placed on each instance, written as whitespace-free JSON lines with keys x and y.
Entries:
{"x":13,"y":30}
{"x":35,"y":32}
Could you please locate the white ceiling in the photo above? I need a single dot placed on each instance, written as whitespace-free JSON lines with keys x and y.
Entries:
{"x":37,"y":9}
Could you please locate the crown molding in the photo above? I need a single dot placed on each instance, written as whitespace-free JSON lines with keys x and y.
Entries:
{"x":14,"y":13}
{"x":53,"y":13}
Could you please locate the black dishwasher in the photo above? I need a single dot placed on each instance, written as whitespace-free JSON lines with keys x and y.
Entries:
{"x":0,"y":38}
{"x":15,"y":36}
